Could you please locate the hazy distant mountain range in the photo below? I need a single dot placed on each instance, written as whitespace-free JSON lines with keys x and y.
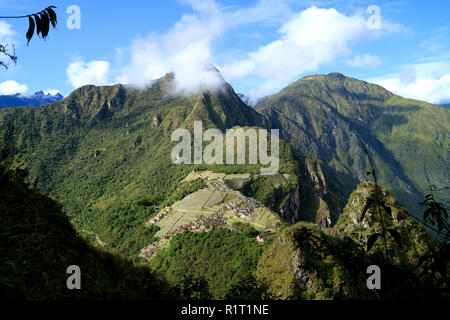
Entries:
{"x":35,"y":100}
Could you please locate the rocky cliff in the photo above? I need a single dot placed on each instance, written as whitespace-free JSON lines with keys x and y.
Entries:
{"x":305,"y":262}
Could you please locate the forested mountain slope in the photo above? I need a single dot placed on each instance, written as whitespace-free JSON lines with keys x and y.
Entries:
{"x":409,"y":140}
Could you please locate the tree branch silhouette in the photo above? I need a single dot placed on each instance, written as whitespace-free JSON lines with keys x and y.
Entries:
{"x":38,"y":23}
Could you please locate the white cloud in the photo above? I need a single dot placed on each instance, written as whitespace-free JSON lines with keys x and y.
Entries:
{"x":191,"y":62}
{"x":267,"y":11}
{"x":437,"y":42}
{"x":365,"y":60}
{"x":309,"y":39}
{"x":427,"y":82}
{"x":12,"y":87}
{"x":51,"y":91}
{"x":7,"y":34}
{"x":393,"y":27}
{"x":185,"y":49}
{"x":94,"y":72}
{"x":306,"y":41}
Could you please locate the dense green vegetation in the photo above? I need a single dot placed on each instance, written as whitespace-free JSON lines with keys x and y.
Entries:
{"x":104,"y":153}
{"x":222,"y":257}
{"x":123,"y":228}
{"x":409,"y":140}
{"x":37,"y":244}
{"x":272,"y":190}
{"x":305,"y":262}
{"x":264,"y":190}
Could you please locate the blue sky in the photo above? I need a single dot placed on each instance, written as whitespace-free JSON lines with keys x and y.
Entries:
{"x":259,"y":46}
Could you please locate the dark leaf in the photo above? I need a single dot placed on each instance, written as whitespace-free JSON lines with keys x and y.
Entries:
{"x":427,"y":213}
{"x":368,"y":205}
{"x":45,"y":24}
{"x":52,"y":15}
{"x":387,"y":209}
{"x":396,"y":236}
{"x":371,"y":240}
{"x":30,"y":31}
{"x":38,"y":24}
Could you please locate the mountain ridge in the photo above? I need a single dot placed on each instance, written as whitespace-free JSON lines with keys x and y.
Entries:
{"x":322,"y":115}
{"x":319,"y":115}
{"x":106,"y":150}
{"x":36,"y":100}
{"x":104,"y":154}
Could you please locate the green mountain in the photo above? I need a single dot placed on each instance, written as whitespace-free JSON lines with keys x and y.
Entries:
{"x":37,"y":244}
{"x":217,"y":230}
{"x":305,"y":262}
{"x":105,"y":154}
{"x":409,"y":140}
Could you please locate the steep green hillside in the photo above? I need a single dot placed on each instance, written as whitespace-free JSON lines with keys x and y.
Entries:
{"x":37,"y":244}
{"x":222,"y":257}
{"x":408,"y":139}
{"x":305,"y":262}
{"x":105,"y":153}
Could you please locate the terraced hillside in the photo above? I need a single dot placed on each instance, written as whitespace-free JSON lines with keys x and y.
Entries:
{"x":217,"y":205}
{"x":216,"y":230}
{"x":105,"y":154}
